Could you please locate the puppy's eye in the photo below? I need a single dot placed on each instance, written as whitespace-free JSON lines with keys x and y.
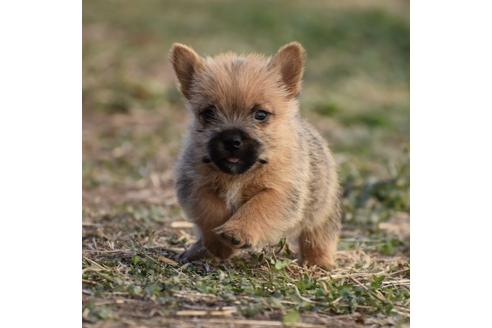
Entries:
{"x":208,"y":115}
{"x":260,"y":115}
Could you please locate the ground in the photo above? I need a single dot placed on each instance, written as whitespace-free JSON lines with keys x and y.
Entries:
{"x":355,"y":92}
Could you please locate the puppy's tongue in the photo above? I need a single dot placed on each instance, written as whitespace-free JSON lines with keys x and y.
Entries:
{"x":232,"y":160}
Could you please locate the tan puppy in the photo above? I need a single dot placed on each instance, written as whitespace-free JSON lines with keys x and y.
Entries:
{"x":252,"y":171}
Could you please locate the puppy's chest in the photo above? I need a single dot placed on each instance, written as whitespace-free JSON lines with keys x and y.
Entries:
{"x":233,"y":195}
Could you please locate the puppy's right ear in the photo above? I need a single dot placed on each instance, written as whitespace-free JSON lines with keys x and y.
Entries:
{"x":186,"y":63}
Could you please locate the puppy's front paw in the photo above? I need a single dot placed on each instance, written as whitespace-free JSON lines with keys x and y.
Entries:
{"x":196,"y":252}
{"x":234,"y":237}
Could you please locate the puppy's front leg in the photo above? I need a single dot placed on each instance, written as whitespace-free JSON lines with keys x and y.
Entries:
{"x":208,"y":212}
{"x":261,"y":220}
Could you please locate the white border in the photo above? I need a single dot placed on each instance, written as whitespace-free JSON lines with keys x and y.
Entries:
{"x":451,"y":106}
{"x":40,"y":163}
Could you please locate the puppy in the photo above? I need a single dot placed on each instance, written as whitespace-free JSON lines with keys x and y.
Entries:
{"x":251,"y":170}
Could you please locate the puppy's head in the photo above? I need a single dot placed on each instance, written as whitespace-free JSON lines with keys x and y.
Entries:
{"x":243,"y":106}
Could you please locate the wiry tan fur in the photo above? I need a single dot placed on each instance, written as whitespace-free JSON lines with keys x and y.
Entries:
{"x":295,"y":194}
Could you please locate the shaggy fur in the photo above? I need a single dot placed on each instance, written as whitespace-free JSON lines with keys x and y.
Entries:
{"x":292,"y":189}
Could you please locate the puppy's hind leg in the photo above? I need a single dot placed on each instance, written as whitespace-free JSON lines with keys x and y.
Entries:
{"x":317,"y":246}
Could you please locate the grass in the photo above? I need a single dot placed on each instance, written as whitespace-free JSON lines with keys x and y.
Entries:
{"x":355,"y":92}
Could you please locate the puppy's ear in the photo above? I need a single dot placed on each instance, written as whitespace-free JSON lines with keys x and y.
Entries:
{"x":290,"y":61}
{"x":186,"y":63}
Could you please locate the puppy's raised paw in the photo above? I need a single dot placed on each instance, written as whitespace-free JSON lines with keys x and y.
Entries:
{"x":233,"y":237}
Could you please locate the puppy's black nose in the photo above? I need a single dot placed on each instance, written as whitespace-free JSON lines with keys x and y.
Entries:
{"x":235,"y":142}
{"x":232,"y":139}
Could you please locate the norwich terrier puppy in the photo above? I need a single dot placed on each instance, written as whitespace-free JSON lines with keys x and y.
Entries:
{"x":252,"y":171}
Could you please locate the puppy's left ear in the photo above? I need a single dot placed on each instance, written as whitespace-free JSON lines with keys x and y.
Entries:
{"x":186,"y":62}
{"x":290,"y":61}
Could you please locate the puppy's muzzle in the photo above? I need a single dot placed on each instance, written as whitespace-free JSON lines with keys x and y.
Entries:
{"x":233,"y":151}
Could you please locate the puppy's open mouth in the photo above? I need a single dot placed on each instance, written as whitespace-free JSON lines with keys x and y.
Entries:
{"x":232,"y":160}
{"x":234,"y":164}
